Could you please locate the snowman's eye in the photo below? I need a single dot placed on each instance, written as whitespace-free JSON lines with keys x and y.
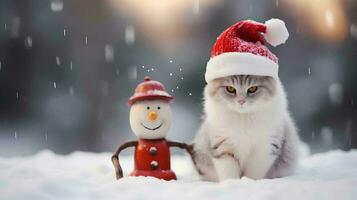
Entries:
{"x":158,"y":108}
{"x":148,"y":107}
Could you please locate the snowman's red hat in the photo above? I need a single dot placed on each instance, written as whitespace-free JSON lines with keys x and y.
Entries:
{"x":150,"y":90}
{"x":240,"y":50}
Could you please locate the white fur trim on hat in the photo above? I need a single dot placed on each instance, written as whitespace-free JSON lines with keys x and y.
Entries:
{"x":276,"y":32}
{"x":240,"y":63}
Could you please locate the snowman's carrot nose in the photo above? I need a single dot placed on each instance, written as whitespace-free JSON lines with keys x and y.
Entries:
{"x":152,"y":116}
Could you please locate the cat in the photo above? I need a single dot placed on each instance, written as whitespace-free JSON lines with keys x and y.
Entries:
{"x":247,"y":130}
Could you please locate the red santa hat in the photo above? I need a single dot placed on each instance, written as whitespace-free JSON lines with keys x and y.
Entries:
{"x":240,"y":50}
{"x":150,"y":90}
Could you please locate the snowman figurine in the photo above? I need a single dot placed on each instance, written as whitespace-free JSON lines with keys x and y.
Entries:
{"x":150,"y":120}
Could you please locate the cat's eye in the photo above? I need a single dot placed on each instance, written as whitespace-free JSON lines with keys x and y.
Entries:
{"x":252,"y":89}
{"x":158,"y":108}
{"x":148,"y":107}
{"x":230,"y":89}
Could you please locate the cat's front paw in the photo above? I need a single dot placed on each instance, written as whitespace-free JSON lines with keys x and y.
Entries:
{"x":222,"y":147}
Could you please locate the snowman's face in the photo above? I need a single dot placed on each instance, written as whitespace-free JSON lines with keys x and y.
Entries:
{"x":150,"y":119}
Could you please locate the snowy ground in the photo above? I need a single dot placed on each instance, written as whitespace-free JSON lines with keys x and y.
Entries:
{"x":331,"y":175}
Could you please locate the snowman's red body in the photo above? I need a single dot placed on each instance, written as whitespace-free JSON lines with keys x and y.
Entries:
{"x":149,"y":110}
{"x":152,"y":158}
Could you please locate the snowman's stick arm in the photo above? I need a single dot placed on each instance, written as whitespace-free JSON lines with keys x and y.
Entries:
{"x":177,"y":144}
{"x":187,"y":147}
{"x":115,"y":157}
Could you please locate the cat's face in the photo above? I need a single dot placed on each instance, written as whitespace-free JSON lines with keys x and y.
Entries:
{"x":243,"y":93}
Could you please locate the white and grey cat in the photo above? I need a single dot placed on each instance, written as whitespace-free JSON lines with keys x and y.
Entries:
{"x":247,"y":130}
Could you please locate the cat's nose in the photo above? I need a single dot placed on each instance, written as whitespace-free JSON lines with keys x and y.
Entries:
{"x":241,"y":101}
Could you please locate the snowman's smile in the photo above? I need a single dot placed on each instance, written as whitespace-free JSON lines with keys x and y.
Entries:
{"x":152,"y":129}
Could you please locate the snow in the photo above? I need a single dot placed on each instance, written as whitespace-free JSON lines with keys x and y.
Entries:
{"x":109,"y":53}
{"x":71,"y":91}
{"x":329,"y":19}
{"x":133,"y":72}
{"x":57,"y":5}
{"x":327,"y":135}
{"x":82,"y":175}
{"x":58,"y":61}
{"x":196,"y":7}
{"x":335,"y":91}
{"x":353,"y":30}
{"x":28,"y":42}
{"x":129,"y":35}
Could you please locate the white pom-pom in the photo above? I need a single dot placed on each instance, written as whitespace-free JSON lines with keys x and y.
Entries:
{"x":276,"y":32}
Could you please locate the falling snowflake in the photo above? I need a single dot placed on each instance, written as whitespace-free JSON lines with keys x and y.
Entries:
{"x":28,"y":42}
{"x":336,"y":93}
{"x":109,"y":53}
{"x":132,"y":73}
{"x":56,"y":5}
{"x":71,"y":65}
{"x":86,"y":40}
{"x":129,"y":35}
{"x":54,"y":84}
{"x":190,"y":94}
{"x":196,"y":7}
{"x":329,"y":19}
{"x":58,"y":61}
{"x":64,"y":32}
{"x":327,"y":135}
{"x":171,"y":74}
{"x":353,"y":30}
{"x":71,"y":91}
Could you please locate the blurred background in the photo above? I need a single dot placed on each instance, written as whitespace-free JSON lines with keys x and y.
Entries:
{"x":67,"y":67}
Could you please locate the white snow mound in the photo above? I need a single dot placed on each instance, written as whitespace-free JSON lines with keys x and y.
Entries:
{"x":331,"y":175}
